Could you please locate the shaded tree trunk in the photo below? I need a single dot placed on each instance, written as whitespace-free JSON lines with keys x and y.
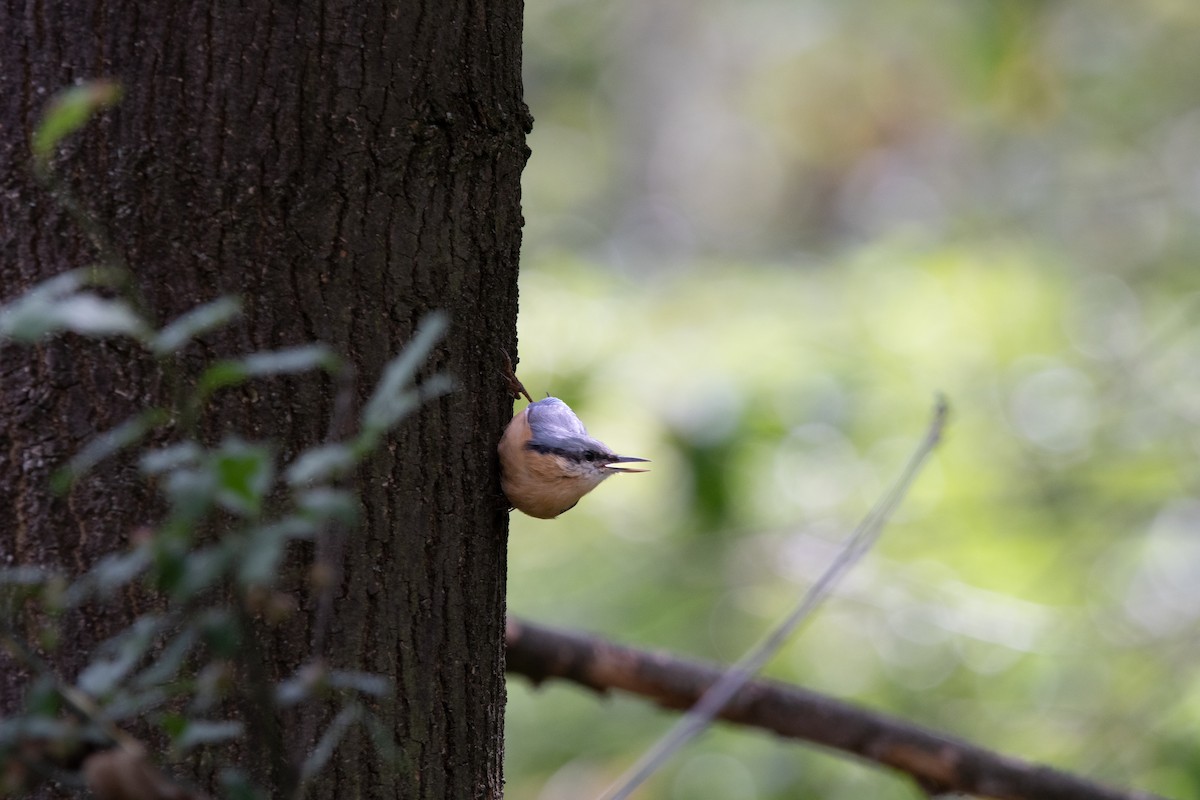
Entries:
{"x":345,"y":168}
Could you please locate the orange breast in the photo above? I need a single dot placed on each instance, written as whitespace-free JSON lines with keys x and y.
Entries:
{"x":532,"y":481}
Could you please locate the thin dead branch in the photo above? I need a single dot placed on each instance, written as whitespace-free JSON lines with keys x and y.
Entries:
{"x":709,"y":705}
{"x":939,"y":763}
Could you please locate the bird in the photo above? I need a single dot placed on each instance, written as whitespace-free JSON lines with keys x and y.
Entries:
{"x":547,"y":459}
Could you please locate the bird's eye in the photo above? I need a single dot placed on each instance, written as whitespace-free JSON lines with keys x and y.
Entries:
{"x":592,"y":455}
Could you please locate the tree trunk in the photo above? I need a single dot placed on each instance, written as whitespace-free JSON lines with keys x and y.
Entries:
{"x":345,"y":168}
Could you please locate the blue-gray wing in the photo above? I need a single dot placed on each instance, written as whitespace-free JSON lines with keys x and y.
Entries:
{"x":552,"y":420}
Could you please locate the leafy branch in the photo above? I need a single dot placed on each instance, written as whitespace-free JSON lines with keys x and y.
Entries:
{"x":214,"y":561}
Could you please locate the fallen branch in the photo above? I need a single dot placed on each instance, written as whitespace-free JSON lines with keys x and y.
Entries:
{"x":939,"y":763}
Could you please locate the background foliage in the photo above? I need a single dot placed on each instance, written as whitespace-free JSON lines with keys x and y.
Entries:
{"x":760,"y":236}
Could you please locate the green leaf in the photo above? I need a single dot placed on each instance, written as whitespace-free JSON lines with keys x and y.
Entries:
{"x":328,"y":742}
{"x":21,"y":318}
{"x":195,"y":322}
{"x":221,"y":375}
{"x":391,"y":400}
{"x":92,"y":315}
{"x":237,"y":786}
{"x":221,"y":633}
{"x":68,"y":111}
{"x":114,"y":571}
{"x":306,"y":682}
{"x":183,"y":454}
{"x":105,"y":445}
{"x":166,"y":666}
{"x":274,"y":362}
{"x":201,"y":731}
{"x":201,"y":569}
{"x":401,"y":406}
{"x":365,"y":682}
{"x":295,"y":359}
{"x":18,"y":584}
{"x":244,"y":474}
{"x":110,"y":573}
{"x":261,"y":551}
{"x":292,"y":691}
{"x":21,"y":729}
{"x":118,"y":656}
{"x":387,"y":412}
{"x":171,"y":549}
{"x":125,"y":705}
{"x":291,"y":527}
{"x":212,"y":684}
{"x":172,"y":723}
{"x":321,"y":463}
{"x":58,"y":304}
{"x":191,"y":491}
{"x":27,"y":308}
{"x":259,"y":559}
{"x":325,"y":503}
{"x":383,"y":739}
{"x":35,"y":315}
{"x":43,"y":698}
{"x":23,"y":576}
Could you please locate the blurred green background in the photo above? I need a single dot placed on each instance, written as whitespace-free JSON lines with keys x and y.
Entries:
{"x":761,"y":235}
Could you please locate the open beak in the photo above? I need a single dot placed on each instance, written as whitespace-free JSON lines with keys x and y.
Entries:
{"x":616,"y":463}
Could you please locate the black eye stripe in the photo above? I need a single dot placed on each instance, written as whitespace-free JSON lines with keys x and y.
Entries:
{"x":586,"y":455}
{"x":546,"y":450}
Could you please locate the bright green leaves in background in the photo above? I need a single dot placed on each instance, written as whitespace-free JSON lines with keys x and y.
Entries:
{"x":1036,"y":580}
{"x":760,"y":236}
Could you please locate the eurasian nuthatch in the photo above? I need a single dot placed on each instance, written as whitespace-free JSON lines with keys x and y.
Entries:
{"x":548,"y":461}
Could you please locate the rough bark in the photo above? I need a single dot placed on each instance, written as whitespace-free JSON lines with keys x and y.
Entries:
{"x":345,"y":167}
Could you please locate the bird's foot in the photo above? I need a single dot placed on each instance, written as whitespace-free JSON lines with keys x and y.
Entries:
{"x":515,"y":388}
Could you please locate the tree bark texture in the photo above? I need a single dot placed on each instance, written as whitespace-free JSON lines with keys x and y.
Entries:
{"x":345,"y":167}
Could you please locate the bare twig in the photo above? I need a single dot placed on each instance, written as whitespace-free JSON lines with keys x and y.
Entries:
{"x":709,"y":706}
{"x":939,"y":763}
